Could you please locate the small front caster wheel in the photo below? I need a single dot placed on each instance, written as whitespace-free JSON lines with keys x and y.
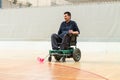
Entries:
{"x":49,"y":58}
{"x":63,"y":59}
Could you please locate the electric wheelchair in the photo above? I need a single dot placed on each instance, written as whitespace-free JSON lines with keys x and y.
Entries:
{"x":71,"y":52}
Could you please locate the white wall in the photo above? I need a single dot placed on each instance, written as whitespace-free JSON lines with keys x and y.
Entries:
{"x":37,"y":2}
{"x":97,"y":22}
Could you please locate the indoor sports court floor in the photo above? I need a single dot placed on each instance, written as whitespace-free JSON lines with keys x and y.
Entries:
{"x":18,"y":61}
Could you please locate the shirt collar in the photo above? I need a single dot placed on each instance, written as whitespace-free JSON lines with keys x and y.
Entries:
{"x":68,"y":22}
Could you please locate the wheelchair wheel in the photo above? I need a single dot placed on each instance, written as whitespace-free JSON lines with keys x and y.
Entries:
{"x":57,"y":57}
{"x":49,"y":58}
{"x":77,"y":55}
{"x":63,"y":59}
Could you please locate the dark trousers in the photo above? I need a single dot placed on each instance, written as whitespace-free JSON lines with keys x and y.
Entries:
{"x":56,"y":40}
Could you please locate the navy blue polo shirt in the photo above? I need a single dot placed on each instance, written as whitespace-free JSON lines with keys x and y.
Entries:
{"x":65,"y":27}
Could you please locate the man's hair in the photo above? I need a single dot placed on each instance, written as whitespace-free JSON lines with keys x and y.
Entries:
{"x":68,"y":13}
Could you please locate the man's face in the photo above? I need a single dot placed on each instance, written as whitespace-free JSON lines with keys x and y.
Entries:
{"x":66,"y":17}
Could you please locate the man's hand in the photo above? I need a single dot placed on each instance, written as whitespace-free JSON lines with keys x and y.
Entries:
{"x":70,"y":31}
{"x":73,"y":32}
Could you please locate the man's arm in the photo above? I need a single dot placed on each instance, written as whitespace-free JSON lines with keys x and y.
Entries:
{"x":59,"y":31}
{"x":75,"y":29}
{"x":74,"y":32}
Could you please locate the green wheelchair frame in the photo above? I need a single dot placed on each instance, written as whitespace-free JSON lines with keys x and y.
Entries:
{"x":71,"y":52}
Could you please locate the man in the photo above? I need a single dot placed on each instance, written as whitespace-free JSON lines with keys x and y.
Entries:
{"x":67,"y":27}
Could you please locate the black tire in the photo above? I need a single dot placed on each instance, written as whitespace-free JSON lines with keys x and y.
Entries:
{"x":63,"y":59}
{"x":57,"y":57}
{"x":76,"y":54}
{"x":49,"y":58}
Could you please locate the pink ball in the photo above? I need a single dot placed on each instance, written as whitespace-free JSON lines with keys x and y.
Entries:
{"x":40,"y":59}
